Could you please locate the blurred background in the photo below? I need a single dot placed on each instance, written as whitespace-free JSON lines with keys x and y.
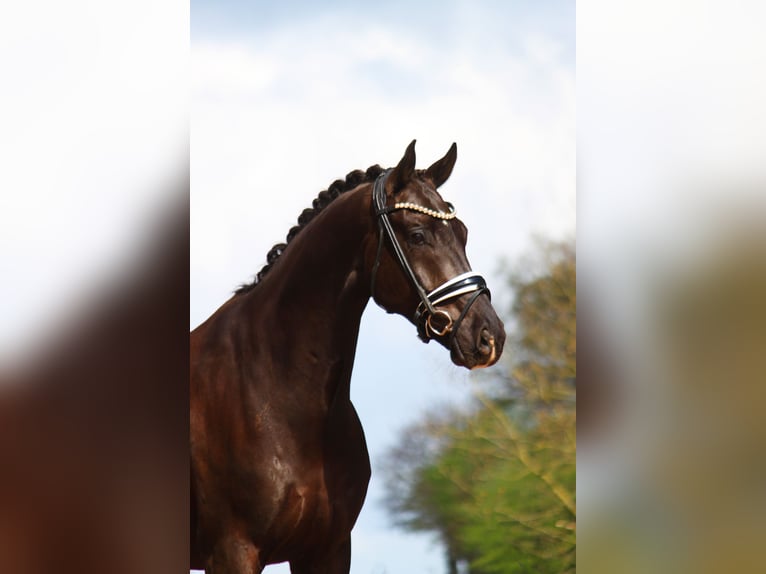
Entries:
{"x":671,"y":152}
{"x":287,"y":98}
{"x":94,"y":287}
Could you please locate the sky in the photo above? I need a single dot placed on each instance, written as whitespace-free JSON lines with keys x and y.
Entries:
{"x":285,"y":98}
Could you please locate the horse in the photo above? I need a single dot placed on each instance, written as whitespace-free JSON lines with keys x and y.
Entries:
{"x":279,"y":463}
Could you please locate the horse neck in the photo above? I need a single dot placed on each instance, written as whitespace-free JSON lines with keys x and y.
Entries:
{"x":315,"y":294}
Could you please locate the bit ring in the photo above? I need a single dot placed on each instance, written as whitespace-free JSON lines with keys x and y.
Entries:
{"x":444,"y":330}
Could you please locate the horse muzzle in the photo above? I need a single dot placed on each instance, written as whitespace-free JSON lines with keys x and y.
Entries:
{"x":480,"y":342}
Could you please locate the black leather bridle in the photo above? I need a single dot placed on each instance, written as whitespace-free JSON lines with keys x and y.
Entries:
{"x":430,"y":321}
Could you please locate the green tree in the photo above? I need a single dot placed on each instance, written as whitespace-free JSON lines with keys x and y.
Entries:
{"x":496,"y":481}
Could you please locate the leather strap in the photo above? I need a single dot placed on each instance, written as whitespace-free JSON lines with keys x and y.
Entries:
{"x":385,"y":228}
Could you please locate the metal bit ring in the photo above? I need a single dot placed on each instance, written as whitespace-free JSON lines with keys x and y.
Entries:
{"x":446,"y":329}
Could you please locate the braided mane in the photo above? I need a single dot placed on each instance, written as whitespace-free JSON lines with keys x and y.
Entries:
{"x":338,"y":187}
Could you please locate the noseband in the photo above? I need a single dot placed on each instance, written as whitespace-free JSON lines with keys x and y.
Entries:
{"x":430,"y":321}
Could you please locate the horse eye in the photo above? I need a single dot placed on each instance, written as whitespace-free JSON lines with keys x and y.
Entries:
{"x":417,"y":238}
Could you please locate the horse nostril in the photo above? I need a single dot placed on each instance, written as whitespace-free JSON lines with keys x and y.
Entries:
{"x":486,"y":342}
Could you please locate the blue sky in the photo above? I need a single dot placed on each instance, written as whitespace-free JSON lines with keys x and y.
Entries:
{"x":314,"y":92}
{"x":500,"y":24}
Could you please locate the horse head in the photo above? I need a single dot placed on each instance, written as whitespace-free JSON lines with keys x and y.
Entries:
{"x":419,"y":268}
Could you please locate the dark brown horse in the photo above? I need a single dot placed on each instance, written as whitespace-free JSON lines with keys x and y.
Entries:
{"x":279,"y":464}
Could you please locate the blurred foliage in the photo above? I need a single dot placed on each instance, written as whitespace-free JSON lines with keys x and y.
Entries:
{"x":496,"y":481}
{"x":683,"y":488}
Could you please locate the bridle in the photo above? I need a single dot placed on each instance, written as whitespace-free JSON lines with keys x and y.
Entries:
{"x":430,"y":321}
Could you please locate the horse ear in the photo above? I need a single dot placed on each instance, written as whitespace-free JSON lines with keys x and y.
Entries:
{"x":403,"y":171}
{"x":440,"y":171}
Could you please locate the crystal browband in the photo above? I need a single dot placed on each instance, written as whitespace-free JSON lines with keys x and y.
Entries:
{"x":427,"y":210}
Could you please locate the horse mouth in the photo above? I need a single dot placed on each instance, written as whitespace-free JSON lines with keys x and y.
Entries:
{"x":472,"y":361}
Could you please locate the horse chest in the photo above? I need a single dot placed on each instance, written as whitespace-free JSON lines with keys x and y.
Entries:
{"x":320,"y":505}
{"x":329,"y":479}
